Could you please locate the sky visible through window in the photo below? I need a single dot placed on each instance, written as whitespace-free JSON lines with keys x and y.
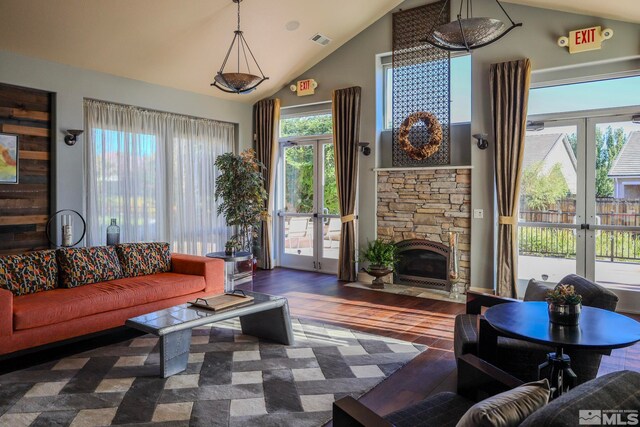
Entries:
{"x":621,"y":92}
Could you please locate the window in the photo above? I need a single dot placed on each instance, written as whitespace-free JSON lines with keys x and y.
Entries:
{"x":577,"y":213}
{"x":154,"y":173}
{"x":460,"y":79}
{"x":306,"y":125}
{"x":600,"y":94}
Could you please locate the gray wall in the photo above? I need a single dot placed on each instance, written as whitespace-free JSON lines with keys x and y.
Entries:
{"x":354,"y":63}
{"x":72,"y":85}
{"x":536,"y":40}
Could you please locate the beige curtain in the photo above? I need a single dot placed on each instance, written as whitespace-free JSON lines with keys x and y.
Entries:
{"x":509,"y":98}
{"x":266,"y":115}
{"x":346,"y":134}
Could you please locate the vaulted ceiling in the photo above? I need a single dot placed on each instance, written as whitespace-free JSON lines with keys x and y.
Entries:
{"x":181,"y":43}
{"x":622,"y":10}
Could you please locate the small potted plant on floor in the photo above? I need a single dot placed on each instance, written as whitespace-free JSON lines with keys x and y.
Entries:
{"x":382,"y":257}
{"x":564,"y":305}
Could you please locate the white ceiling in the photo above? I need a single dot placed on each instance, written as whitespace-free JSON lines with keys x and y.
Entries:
{"x":181,"y":43}
{"x":622,"y":10}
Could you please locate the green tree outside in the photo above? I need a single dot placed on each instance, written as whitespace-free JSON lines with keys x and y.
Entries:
{"x":542,"y":190}
{"x":299,"y":164}
{"x":307,"y":125}
{"x":608,"y":146}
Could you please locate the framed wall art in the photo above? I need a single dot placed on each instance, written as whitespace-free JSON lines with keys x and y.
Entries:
{"x":9,"y":158}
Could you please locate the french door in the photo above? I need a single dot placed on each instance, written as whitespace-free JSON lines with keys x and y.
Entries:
{"x":580,"y":199}
{"x":308,"y":214}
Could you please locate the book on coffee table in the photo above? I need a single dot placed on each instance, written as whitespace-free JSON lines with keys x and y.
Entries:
{"x":222,"y":302}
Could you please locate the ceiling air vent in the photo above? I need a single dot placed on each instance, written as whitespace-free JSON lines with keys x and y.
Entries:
{"x":321,"y":40}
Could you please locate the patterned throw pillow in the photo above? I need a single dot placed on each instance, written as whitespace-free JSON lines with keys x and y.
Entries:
{"x":29,"y":273}
{"x":83,"y":266}
{"x":140,"y":259}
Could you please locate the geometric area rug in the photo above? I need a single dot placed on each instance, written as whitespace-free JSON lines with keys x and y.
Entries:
{"x":231,"y":380}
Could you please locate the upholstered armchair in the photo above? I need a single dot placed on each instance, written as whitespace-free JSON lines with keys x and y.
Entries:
{"x":477,"y":380}
{"x":617,"y":392}
{"x":521,"y":358}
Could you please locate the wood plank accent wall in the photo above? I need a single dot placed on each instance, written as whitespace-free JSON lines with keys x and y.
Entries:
{"x":25,"y":207}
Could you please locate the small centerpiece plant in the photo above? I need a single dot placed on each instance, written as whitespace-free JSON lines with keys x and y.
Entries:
{"x":564,"y":305}
{"x":382,"y":257}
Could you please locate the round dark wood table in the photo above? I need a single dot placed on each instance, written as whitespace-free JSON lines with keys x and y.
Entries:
{"x":598,"y":330}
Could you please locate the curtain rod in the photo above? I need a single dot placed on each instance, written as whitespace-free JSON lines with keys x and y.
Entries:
{"x":152,"y":110}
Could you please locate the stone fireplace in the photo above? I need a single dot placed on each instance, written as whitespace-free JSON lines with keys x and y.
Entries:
{"x":417,"y":208}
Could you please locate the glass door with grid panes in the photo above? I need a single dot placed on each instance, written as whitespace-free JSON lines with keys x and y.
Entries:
{"x":580,"y":199}
{"x":308,"y":215}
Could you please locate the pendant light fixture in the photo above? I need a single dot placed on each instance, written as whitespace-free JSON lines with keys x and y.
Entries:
{"x":239,"y":81}
{"x":469,"y":33}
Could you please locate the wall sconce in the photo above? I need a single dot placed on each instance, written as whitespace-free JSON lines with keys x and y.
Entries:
{"x":72,"y":136}
{"x":364,"y":148}
{"x":534,"y":126}
{"x":483,"y":143}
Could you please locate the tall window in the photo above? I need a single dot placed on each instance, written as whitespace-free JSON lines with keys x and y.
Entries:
{"x":460,"y":95}
{"x":580,"y":186}
{"x":154,"y":172}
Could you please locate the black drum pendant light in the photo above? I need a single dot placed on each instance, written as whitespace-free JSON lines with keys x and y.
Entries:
{"x":469,"y":33}
{"x":238,"y":81}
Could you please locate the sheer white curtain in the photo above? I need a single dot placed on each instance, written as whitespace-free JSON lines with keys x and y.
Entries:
{"x":194,"y":225}
{"x":154,"y":173}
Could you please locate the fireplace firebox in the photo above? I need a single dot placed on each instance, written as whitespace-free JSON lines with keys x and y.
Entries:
{"x":423,"y":263}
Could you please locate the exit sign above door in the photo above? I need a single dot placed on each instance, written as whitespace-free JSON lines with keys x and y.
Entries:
{"x":585,"y":39}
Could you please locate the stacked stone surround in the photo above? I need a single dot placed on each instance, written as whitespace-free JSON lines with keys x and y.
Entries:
{"x":426,"y":204}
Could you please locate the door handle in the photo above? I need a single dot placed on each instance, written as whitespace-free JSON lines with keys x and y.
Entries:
{"x":584,"y":226}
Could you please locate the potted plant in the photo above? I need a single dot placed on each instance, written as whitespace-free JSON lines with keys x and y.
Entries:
{"x":382,"y":257}
{"x":231,"y":246}
{"x":241,"y":196}
{"x":564,"y":305}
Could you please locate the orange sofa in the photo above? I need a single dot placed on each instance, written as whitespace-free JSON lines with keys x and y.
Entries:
{"x":45,"y":317}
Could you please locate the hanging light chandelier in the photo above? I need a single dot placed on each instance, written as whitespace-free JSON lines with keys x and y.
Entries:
{"x":469,"y":33}
{"x":238,"y":81}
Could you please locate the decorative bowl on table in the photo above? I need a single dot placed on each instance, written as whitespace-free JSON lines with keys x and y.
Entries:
{"x":564,"y":305}
{"x":564,"y":314}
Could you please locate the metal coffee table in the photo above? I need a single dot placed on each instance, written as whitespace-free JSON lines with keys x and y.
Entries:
{"x":265,"y":317}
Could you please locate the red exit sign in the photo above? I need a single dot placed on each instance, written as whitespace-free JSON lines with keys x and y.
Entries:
{"x":587,"y":36}
{"x":587,"y":39}
{"x":306,"y":87}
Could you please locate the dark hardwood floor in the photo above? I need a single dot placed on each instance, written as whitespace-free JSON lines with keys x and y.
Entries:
{"x":322,"y":297}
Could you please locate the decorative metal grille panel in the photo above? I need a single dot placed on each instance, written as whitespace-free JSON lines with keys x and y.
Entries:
{"x":420,"y":80}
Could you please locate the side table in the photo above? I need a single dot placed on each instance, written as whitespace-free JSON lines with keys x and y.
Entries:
{"x":598,"y":330}
{"x":230,"y":265}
